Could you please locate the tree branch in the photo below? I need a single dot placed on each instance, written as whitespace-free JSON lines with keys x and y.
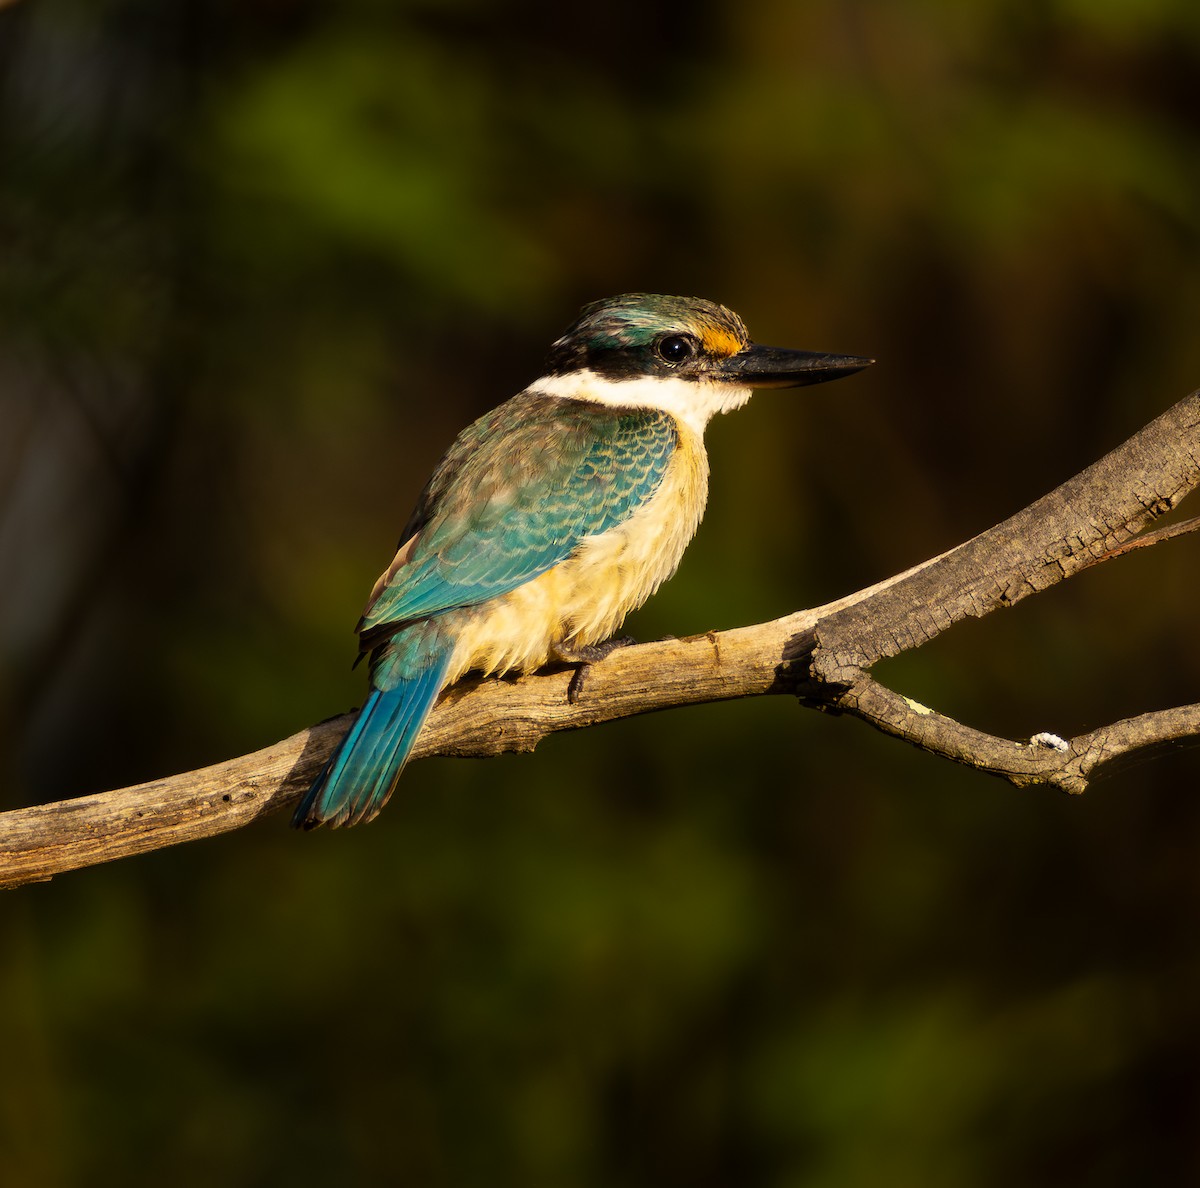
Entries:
{"x":822,"y":656}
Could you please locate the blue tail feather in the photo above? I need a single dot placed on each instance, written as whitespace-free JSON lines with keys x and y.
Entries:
{"x":359,"y":777}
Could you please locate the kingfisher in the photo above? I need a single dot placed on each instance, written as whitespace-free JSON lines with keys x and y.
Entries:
{"x":549,"y":519}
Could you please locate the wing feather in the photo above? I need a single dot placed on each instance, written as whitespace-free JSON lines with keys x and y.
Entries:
{"x":515,"y":494}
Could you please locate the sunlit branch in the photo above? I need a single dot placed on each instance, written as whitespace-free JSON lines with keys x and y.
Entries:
{"x":822,"y":656}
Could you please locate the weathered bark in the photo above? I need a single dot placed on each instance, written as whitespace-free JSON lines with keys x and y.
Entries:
{"x":821,"y":656}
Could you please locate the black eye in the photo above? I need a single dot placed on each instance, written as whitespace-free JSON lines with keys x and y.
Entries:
{"x":675,"y":348}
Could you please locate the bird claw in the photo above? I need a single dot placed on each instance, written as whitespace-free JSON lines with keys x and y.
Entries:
{"x":575,"y":688}
{"x":583,"y":657}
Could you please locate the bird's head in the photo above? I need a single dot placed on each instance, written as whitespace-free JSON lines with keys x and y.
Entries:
{"x":687,"y":355}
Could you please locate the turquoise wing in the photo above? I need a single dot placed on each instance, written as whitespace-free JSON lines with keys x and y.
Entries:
{"x":515,"y":494}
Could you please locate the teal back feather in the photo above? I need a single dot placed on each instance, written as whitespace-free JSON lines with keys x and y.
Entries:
{"x":515,"y":494}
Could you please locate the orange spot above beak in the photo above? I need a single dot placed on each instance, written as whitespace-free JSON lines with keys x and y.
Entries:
{"x":720,"y":342}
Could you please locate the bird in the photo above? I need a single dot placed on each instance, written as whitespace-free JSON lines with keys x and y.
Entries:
{"x":549,"y":519}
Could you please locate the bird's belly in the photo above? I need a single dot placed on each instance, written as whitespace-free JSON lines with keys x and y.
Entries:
{"x":585,"y":598}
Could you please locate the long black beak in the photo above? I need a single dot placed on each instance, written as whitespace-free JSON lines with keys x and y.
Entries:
{"x":777,"y":367}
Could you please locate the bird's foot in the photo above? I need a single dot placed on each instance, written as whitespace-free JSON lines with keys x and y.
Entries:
{"x":583,"y":657}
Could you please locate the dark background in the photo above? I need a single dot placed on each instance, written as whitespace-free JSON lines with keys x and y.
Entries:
{"x":260,"y":261}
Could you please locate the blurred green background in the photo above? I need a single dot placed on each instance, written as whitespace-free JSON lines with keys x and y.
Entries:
{"x":260,"y":261}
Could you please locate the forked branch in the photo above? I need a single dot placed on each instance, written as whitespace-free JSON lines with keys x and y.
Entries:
{"x":822,"y":656}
